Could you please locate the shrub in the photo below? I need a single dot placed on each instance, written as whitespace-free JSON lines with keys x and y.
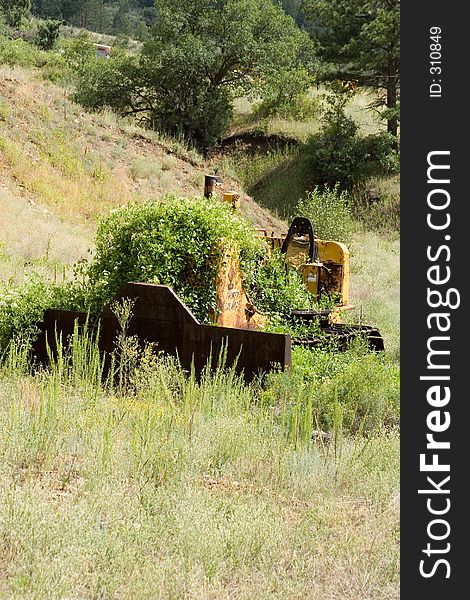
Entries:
{"x":48,"y":33}
{"x":175,"y":243}
{"x":179,"y":243}
{"x":18,"y":53}
{"x":78,"y":53}
{"x":21,"y":308}
{"x":355,"y":390}
{"x":376,"y":204}
{"x":367,"y":390}
{"x":277,"y":290}
{"x":286,"y":96}
{"x":330,"y":212}
{"x":15,"y":11}
{"x":24,"y":54}
{"x":4,"y":29}
{"x":337,"y":154}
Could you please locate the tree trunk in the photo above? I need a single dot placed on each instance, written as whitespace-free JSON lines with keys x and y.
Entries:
{"x":392,"y":84}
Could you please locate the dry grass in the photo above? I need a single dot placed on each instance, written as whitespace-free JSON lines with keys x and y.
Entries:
{"x":185,"y":491}
{"x":367,"y":120}
{"x":32,"y":238}
{"x":81,"y":165}
{"x":375,"y":285}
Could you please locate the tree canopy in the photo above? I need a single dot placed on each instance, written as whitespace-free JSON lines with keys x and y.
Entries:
{"x":201,"y":55}
{"x":360,"y":41}
{"x":129,"y":17}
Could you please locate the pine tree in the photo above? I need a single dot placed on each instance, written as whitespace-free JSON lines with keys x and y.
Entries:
{"x":360,"y":39}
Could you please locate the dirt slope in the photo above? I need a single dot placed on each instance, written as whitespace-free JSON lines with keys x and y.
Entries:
{"x":80,"y":165}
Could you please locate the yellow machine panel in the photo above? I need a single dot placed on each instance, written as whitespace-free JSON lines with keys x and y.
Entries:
{"x":335,"y":273}
{"x":234,"y":307}
{"x":324,"y":263}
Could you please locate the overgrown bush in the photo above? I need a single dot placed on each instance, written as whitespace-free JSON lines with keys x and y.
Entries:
{"x":337,"y":154}
{"x":25,"y":54}
{"x":179,"y":243}
{"x":21,"y":307}
{"x":78,"y":52}
{"x":175,"y":243}
{"x":286,"y":95}
{"x":48,"y":33}
{"x":15,"y":11}
{"x":275,"y":289}
{"x":353,"y":391}
{"x":330,"y":212}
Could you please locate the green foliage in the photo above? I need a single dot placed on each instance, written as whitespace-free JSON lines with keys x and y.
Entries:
{"x":114,"y":17}
{"x":24,"y":54}
{"x":15,"y":10}
{"x":179,"y":243}
{"x":337,"y":154}
{"x":200,"y":57}
{"x":4,"y":29}
{"x":356,"y":390}
{"x":360,"y":42}
{"x":330,"y":212}
{"x":78,"y":52}
{"x":376,"y":204}
{"x":21,"y":308}
{"x":367,"y":391}
{"x":175,"y":243}
{"x":293,"y":8}
{"x":48,"y":33}
{"x":277,"y":290}
{"x":20,"y":53}
{"x":286,"y":96}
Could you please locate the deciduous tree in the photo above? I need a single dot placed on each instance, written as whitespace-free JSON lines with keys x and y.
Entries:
{"x":202,"y":54}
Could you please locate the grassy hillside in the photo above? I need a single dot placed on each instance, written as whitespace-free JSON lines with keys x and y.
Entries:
{"x":80,"y":165}
{"x":172,"y":488}
{"x":271,"y":158}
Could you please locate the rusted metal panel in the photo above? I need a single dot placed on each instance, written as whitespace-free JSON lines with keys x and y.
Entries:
{"x":160,"y":317}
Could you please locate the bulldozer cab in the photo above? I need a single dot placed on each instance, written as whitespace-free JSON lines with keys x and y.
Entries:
{"x":324,"y":264}
{"x":301,"y":253}
{"x":299,"y":245}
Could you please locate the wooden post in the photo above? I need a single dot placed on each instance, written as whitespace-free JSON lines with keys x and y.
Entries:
{"x":210,"y":181}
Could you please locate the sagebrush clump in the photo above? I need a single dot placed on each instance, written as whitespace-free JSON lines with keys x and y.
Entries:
{"x":330,"y":212}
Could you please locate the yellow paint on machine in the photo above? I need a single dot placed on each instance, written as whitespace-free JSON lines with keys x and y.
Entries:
{"x":234,"y":308}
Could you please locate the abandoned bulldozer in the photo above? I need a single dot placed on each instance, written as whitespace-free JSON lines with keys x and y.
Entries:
{"x":324,"y":267}
{"x":201,"y":281}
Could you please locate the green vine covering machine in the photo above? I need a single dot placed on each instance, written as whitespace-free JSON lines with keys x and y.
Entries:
{"x":237,"y":328}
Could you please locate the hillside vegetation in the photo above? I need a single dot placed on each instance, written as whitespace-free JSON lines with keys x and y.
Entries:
{"x":153,"y":483}
{"x":81,"y":165}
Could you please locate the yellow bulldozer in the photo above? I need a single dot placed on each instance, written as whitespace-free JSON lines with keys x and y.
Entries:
{"x":237,"y":328}
{"x":324,"y":267}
